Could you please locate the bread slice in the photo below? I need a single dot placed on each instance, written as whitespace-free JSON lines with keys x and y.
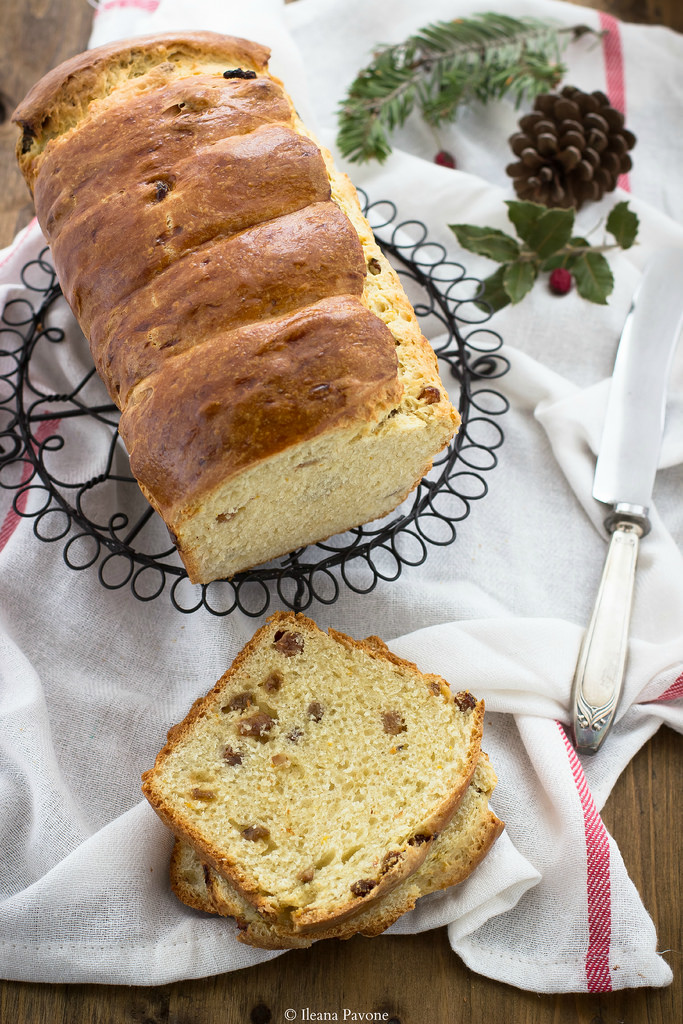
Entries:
{"x":274,"y":385}
{"x":316,"y":773}
{"x":190,"y":878}
{"x":454,"y":855}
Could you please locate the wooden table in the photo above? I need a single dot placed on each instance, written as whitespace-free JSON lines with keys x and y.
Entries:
{"x":415,"y":979}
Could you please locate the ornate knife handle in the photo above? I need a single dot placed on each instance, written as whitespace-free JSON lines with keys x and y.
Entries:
{"x":602,"y":659}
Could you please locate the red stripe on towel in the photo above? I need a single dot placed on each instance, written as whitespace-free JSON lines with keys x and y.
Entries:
{"x":598,"y":886}
{"x":673,"y":692}
{"x":143,"y":5}
{"x":12,"y":518}
{"x":614,"y":73}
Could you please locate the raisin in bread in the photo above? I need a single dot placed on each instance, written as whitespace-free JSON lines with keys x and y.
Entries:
{"x":316,"y":773}
{"x":454,"y":855}
{"x":274,"y":385}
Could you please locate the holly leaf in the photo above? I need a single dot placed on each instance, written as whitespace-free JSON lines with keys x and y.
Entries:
{"x":490,"y":242}
{"x":518,"y":279}
{"x":566,"y":259}
{"x":494,"y":296}
{"x":550,"y":232}
{"x":593,"y":277}
{"x":623,"y":224}
{"x":524,"y":216}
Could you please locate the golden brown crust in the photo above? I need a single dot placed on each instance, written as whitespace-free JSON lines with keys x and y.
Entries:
{"x":274,"y":268}
{"x":145,"y":138}
{"x":271,"y":384}
{"x":221,"y":189}
{"x":79,"y":80}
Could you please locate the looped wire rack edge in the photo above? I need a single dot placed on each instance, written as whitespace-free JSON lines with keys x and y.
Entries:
{"x":127,"y":547}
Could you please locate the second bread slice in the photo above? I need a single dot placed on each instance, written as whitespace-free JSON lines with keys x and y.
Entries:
{"x":315,"y":775}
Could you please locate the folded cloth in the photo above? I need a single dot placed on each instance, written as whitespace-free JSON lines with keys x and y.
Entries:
{"x":90,"y":678}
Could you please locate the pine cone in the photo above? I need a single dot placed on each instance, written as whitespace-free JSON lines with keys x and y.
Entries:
{"x":571,"y":148}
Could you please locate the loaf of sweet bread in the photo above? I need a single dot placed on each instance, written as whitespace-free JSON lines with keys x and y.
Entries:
{"x":317,"y":773}
{"x":462,"y":845}
{"x":274,"y":385}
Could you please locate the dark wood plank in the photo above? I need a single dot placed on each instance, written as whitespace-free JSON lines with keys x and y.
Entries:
{"x":414,"y":978}
{"x":646,"y":12}
{"x":33,"y":40}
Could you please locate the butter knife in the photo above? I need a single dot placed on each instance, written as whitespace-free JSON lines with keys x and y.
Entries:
{"x":624,"y":480}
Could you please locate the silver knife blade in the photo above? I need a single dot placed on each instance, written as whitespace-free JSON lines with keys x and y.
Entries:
{"x":624,"y":479}
{"x":634,"y":420}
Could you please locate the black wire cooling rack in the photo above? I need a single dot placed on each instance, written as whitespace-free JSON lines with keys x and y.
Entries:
{"x":104,"y":523}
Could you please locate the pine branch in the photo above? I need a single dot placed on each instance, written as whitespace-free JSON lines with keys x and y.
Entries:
{"x":441,"y":67}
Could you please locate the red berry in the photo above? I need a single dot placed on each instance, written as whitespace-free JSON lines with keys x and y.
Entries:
{"x":560,"y":281}
{"x":444,"y":159}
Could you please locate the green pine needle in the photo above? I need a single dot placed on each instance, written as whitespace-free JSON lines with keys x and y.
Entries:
{"x":443,"y":66}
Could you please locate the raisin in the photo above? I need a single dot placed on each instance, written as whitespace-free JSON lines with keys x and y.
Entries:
{"x":161,"y":190}
{"x":258,"y":726}
{"x":240,"y":702}
{"x":255,"y":832}
{"x":429,"y":395}
{"x":202,"y":794}
{"x":465,"y":701}
{"x":315,"y":711}
{"x":420,"y":838}
{"x":295,"y":735}
{"x":393,"y":723}
{"x":277,"y":760}
{"x":273,"y":683}
{"x":232,"y":757}
{"x":288,"y":643}
{"x":27,"y":140}
{"x":390,"y":858}
{"x":374,"y":266}
{"x":239,"y":73}
{"x":363,"y":886}
{"x":307,"y":875}
{"x":435,"y":688}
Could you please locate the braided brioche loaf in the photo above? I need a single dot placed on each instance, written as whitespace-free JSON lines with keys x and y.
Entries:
{"x":274,"y":385}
